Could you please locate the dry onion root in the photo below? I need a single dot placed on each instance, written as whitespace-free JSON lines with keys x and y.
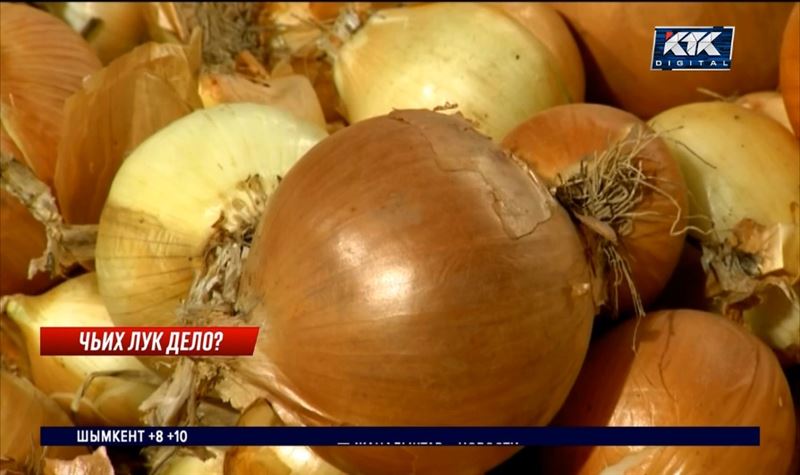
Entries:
{"x":741,"y":171}
{"x":43,"y":63}
{"x":622,"y":185}
{"x":104,"y":390}
{"x":689,"y":368}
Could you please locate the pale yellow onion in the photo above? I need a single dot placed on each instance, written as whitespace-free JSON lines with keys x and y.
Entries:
{"x":426,"y":56}
{"x":13,"y":353}
{"x":739,"y":164}
{"x":287,"y":460}
{"x":170,"y":191}
{"x":23,"y":410}
{"x":190,"y":464}
{"x":96,"y":463}
{"x":76,"y":302}
{"x":293,"y":93}
{"x":769,"y":103}
{"x":43,"y":63}
{"x":111,"y":28}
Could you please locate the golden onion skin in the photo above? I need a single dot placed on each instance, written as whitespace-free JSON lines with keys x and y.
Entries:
{"x":408,"y":272}
{"x":790,"y":68}
{"x":691,"y":368}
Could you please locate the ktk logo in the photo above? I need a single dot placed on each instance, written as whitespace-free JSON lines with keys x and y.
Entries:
{"x":696,"y":43}
{"x":692,"y":48}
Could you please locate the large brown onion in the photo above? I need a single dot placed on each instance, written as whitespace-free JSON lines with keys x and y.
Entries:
{"x":43,"y":63}
{"x":790,"y":68}
{"x":690,"y":369}
{"x":554,"y":142}
{"x":409,"y":272}
{"x":617,"y":42}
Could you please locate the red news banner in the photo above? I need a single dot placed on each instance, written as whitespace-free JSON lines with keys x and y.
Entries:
{"x":148,"y":341}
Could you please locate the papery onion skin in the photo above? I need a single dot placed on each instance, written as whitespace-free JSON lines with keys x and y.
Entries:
{"x":470,"y":55}
{"x":769,"y":103}
{"x":690,"y":369}
{"x":43,"y":63}
{"x":790,"y":68}
{"x":548,"y":26}
{"x":22,"y":238}
{"x":170,"y":191}
{"x":618,"y":62}
{"x":122,"y":26}
{"x":409,"y":272}
{"x":23,"y":410}
{"x":118,"y":108}
{"x":553,"y":143}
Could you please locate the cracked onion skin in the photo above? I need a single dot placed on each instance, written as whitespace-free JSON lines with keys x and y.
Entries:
{"x":408,"y":272}
{"x":553,"y":143}
{"x":691,"y":369}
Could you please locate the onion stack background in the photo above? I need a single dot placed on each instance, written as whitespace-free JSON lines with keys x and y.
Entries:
{"x":438,"y":214}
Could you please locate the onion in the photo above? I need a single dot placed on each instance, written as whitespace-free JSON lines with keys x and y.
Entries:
{"x":561,"y":142}
{"x":118,"y":108}
{"x":111,"y":28}
{"x":13,"y":354}
{"x":689,"y":369}
{"x":769,"y":103}
{"x":617,"y":61}
{"x":409,"y":272}
{"x":43,"y":63}
{"x":23,"y":238}
{"x":215,"y":166}
{"x":469,"y":55}
{"x":741,"y":171}
{"x":23,"y":410}
{"x":548,"y":26}
{"x":790,"y":68}
{"x":97,"y":463}
{"x":107,"y":400}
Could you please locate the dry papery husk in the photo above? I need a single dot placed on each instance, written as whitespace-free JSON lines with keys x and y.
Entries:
{"x":67,"y":246}
{"x":118,"y":108}
{"x":96,"y":463}
{"x":741,"y":171}
{"x":22,"y":238}
{"x":99,"y":390}
{"x":23,"y":410}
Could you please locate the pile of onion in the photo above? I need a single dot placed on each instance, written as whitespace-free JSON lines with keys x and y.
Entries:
{"x":741,"y":171}
{"x":406,"y":271}
{"x":623,"y":186}
{"x":616,"y":40}
{"x":689,"y":368}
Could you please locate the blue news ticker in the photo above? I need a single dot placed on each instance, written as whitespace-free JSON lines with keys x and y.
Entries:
{"x":401,"y":436}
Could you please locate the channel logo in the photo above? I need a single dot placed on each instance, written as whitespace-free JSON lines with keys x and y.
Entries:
{"x":692,"y":48}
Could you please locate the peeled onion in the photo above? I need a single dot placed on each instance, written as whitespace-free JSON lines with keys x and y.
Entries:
{"x":769,"y":103}
{"x":407,"y":271}
{"x":472,"y":56}
{"x":790,"y":68}
{"x":150,"y":248}
{"x":741,"y":171}
{"x":554,"y":143}
{"x":617,"y":42}
{"x":43,"y":63}
{"x":548,"y":26}
{"x":690,"y":368}
{"x":22,"y":238}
